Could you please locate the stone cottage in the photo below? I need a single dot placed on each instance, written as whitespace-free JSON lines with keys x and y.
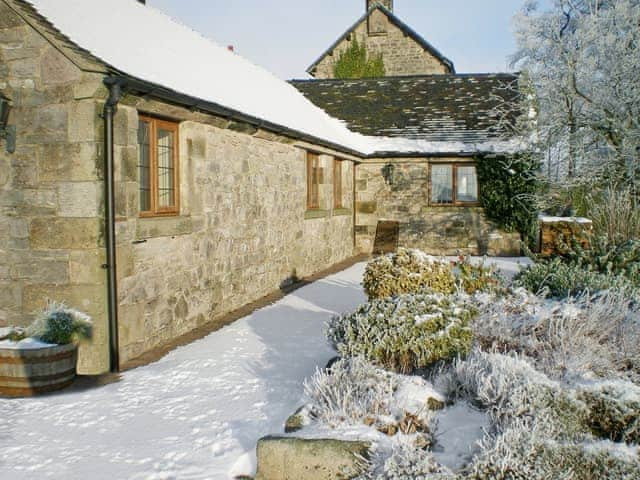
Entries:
{"x":159,"y":181}
{"x":430,"y":125}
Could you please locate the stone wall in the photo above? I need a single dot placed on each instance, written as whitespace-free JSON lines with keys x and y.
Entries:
{"x":402,"y":54}
{"x":436,"y":230}
{"x":242,"y":232}
{"x":51,"y":212}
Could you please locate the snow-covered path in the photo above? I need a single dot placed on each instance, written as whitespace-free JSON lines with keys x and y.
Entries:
{"x":196,"y":414}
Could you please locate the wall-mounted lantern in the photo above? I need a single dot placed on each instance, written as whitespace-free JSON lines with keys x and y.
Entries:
{"x":387,"y":173}
{"x":7,"y":132}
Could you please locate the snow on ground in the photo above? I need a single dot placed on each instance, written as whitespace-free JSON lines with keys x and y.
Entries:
{"x":195,"y":414}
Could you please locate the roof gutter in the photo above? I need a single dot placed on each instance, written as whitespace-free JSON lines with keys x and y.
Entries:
{"x":111,"y":106}
{"x":143,"y":87}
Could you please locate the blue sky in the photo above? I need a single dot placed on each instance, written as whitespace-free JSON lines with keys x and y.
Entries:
{"x":286,"y":36}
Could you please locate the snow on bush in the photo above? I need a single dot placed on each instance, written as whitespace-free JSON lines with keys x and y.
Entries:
{"x":355,"y":392}
{"x":407,"y":462}
{"x":350,"y":391}
{"x":526,"y":450}
{"x":614,"y":410}
{"x":407,"y":271}
{"x":477,"y":277}
{"x":406,"y":332}
{"x":558,"y":279}
{"x":511,"y":388}
{"x":413,"y":271}
{"x":594,"y":335}
{"x":60,"y":325}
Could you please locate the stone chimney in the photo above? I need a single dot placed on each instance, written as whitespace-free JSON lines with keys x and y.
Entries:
{"x":388,"y":4}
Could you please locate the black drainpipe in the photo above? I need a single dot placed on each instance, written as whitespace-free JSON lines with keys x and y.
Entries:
{"x":110,"y":108}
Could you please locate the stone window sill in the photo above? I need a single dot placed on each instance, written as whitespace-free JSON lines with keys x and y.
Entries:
{"x":156,"y":227}
{"x":341,"y":212}
{"x":311,"y":214}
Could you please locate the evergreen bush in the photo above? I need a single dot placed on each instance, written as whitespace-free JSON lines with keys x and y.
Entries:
{"x":560,"y":279}
{"x":407,"y":271}
{"x":509,"y":189}
{"x":477,"y":277}
{"x":406,"y":332}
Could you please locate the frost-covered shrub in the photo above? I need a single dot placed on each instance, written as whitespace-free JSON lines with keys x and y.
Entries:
{"x":407,"y":271}
{"x":406,"y":332}
{"x":560,"y":280}
{"x":614,"y":410}
{"x":408,"y":462}
{"x":477,"y":277}
{"x":350,"y":391}
{"x":61,"y":325}
{"x":526,"y":450}
{"x":566,"y":338}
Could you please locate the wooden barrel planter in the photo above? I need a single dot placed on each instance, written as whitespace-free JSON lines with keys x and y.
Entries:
{"x":27,"y":372}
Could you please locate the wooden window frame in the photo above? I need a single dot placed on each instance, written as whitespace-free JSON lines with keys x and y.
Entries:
{"x":454,"y":170}
{"x":313,"y":200}
{"x":154,"y":125}
{"x":338,"y":201}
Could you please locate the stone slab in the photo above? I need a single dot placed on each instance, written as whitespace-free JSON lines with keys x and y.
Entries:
{"x":287,"y":458}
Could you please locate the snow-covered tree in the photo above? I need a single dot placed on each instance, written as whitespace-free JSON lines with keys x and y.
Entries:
{"x":582,"y":57}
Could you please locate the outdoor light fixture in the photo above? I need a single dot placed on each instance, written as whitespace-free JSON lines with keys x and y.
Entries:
{"x":7,"y":132}
{"x":387,"y":173}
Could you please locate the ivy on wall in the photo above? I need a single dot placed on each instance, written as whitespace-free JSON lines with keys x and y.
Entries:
{"x":354,"y":62}
{"x":509,"y":189}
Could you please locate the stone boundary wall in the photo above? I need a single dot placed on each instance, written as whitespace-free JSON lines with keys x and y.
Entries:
{"x":437,"y":230}
{"x":51,"y":213}
{"x":402,"y":54}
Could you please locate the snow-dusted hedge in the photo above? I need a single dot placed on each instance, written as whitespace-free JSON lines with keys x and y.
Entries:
{"x":413,"y":271}
{"x":406,"y":332}
{"x":407,"y":271}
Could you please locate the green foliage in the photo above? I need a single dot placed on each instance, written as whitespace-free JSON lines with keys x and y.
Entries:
{"x":354,"y":62}
{"x":406,"y":332}
{"x":60,"y":325}
{"x":614,"y":411}
{"x":509,"y":187}
{"x":602,"y":257}
{"x":474,"y":277}
{"x":561,"y":279}
{"x":407,"y":271}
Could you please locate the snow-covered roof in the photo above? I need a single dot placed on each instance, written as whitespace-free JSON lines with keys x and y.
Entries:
{"x":148,"y":45}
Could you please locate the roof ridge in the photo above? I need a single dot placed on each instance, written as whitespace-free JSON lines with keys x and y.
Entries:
{"x":400,"y":24}
{"x":410,"y":77}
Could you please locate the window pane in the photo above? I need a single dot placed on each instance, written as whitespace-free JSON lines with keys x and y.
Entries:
{"x":144,"y":166}
{"x":467,"y":184}
{"x":313,"y":181}
{"x":442,"y":184}
{"x":166,"y":187}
